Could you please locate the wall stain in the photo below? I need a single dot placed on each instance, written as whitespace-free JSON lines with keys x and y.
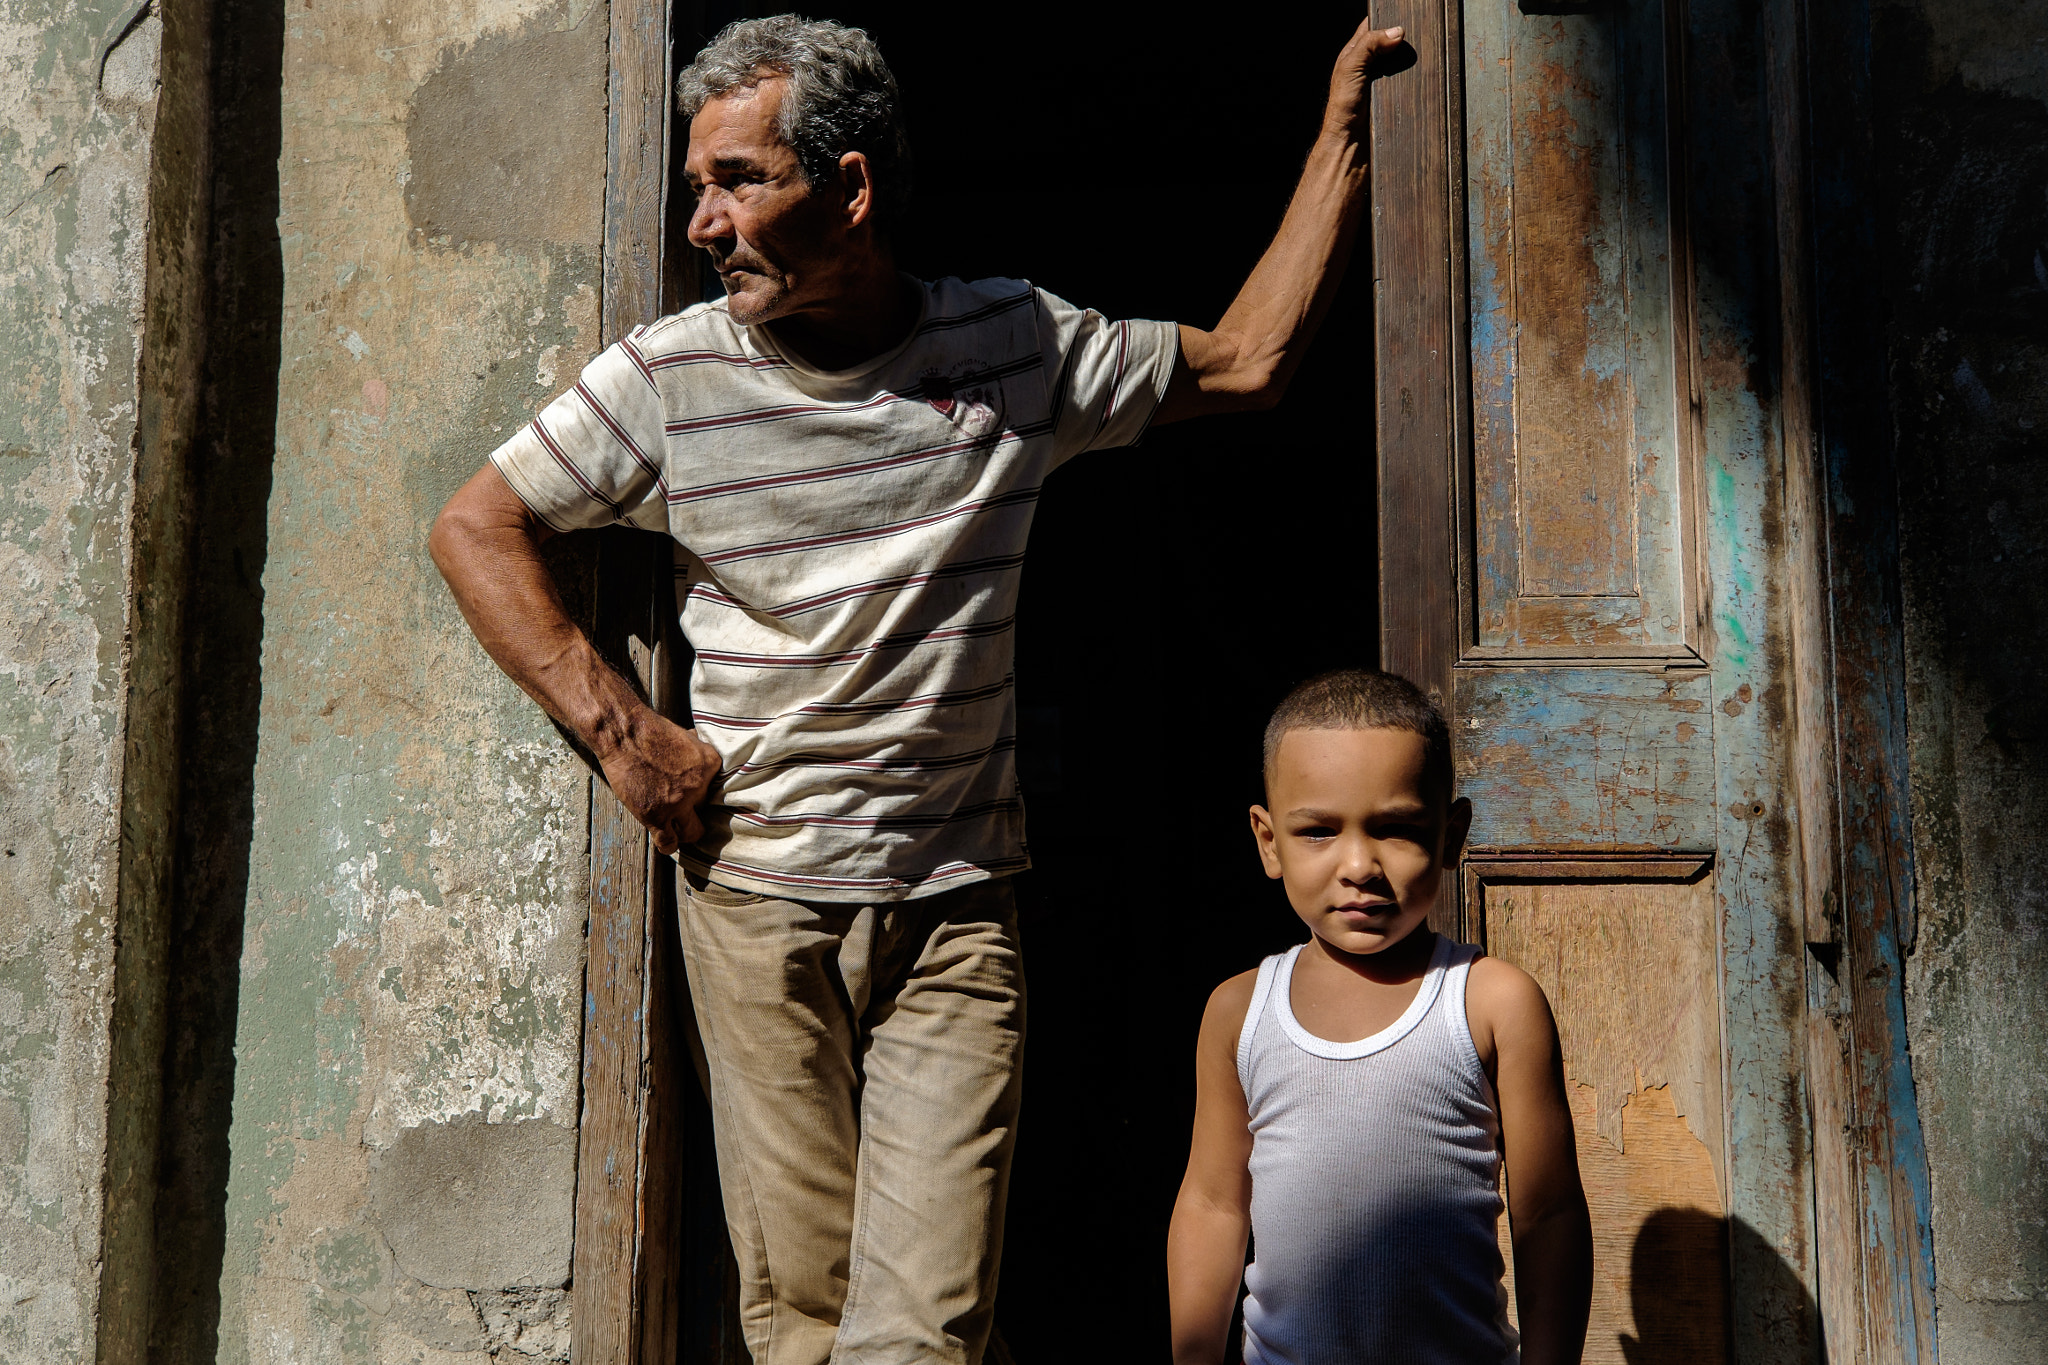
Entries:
{"x":503,"y":139}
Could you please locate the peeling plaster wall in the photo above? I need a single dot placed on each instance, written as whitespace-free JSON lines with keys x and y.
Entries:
{"x":402,"y":1146}
{"x":78,"y":82}
{"x":1962,"y":145}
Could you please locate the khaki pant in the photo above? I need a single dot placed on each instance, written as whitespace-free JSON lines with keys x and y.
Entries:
{"x":864,"y":1093}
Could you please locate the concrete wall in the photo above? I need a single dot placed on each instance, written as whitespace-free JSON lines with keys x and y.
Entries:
{"x":257,"y":783}
{"x":257,"y":780}
{"x":78,"y":88}
{"x":402,"y":1147}
{"x":1962,"y":143}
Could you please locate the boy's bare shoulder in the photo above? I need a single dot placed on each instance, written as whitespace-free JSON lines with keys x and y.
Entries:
{"x":1493,"y":974}
{"x":1229,"y":1001}
{"x":1501,"y":995}
{"x":1224,"y":1016}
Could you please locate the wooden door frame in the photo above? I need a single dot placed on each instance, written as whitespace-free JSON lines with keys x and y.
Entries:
{"x":1832,"y":1175}
{"x":627,"y":1261}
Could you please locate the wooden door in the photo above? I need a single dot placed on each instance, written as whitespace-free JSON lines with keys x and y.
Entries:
{"x":1584,"y":694}
{"x":1583,"y":472}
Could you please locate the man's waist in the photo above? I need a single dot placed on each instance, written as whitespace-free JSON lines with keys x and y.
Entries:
{"x":855,"y":862}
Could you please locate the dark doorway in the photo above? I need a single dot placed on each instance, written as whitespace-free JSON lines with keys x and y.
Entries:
{"x":1135,"y":160}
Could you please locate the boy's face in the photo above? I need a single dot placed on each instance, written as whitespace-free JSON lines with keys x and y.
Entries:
{"x":1356,"y":836}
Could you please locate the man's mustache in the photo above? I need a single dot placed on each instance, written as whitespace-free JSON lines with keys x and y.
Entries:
{"x":723,"y":262}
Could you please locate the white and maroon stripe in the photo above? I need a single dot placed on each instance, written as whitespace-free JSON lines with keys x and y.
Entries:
{"x":771,"y":473}
{"x":633,"y":353}
{"x":853,"y":469}
{"x":1116,"y":382}
{"x":623,"y":437}
{"x":981,"y":314}
{"x":711,"y":593}
{"x":907,"y":763}
{"x":747,"y":417}
{"x":795,"y":819}
{"x":669,"y":360}
{"x":907,"y":640}
{"x":965,"y":696}
{"x":568,"y":465}
{"x":742,"y":417}
{"x":676,"y":359}
{"x":1016,"y":497}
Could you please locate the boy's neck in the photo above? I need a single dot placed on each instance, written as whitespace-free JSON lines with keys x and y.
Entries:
{"x":1393,"y":965}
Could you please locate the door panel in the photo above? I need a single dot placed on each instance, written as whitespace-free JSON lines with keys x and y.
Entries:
{"x":1581,"y":511}
{"x":1586,"y":758}
{"x":1625,"y":950}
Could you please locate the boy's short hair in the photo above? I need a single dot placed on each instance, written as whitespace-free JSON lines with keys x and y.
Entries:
{"x":1365,"y":699}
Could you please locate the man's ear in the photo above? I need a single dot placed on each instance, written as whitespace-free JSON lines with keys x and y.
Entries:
{"x":857,"y":183}
{"x":1262,"y":835}
{"x":1457,"y":824}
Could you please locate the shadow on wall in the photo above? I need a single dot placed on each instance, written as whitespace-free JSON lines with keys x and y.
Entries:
{"x":1678,"y":1276}
{"x":223,"y":660}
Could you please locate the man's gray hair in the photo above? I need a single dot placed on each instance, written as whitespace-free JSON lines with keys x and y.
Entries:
{"x":841,"y":97}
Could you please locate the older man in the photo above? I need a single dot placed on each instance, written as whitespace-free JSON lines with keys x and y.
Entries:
{"x":848,"y":460}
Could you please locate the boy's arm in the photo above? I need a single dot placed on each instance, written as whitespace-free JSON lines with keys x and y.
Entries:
{"x":1212,"y":1218}
{"x":1553,"y":1236}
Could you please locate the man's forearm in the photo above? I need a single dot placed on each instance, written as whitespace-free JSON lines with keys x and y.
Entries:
{"x":1247,"y":360}
{"x":1268,"y":327}
{"x":487,"y":545}
{"x":494,"y":569}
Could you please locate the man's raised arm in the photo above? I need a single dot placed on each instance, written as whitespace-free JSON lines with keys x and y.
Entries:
{"x":1246,"y":361}
{"x":486,"y":543}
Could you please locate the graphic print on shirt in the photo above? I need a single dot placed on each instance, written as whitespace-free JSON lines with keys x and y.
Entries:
{"x":969,"y":393}
{"x":849,"y":549}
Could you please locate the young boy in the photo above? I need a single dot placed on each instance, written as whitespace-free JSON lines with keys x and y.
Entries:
{"x":1357,"y":1095}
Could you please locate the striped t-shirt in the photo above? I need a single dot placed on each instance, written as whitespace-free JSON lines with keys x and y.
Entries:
{"x":849,"y":545}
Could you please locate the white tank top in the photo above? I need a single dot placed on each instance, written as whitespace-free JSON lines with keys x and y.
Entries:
{"x":1375,"y":1184}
